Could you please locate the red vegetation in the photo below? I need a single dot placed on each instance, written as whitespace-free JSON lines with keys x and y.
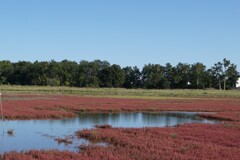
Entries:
{"x":185,"y":142}
{"x":42,"y":107}
{"x":66,"y":141}
{"x":191,"y":141}
{"x":103,"y":126}
{"x":194,"y":141}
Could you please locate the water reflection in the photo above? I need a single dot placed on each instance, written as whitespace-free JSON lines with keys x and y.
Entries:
{"x":40,"y":134}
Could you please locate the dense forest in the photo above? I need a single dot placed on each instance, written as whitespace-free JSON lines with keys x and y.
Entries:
{"x":222,"y":75}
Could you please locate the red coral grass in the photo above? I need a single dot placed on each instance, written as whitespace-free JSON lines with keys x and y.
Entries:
{"x":57,"y":106}
{"x":184,"y":142}
{"x":66,"y":141}
{"x":103,"y":126}
{"x":192,"y":141}
{"x":195,"y":141}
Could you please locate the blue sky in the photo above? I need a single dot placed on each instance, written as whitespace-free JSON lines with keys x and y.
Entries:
{"x":125,"y":32}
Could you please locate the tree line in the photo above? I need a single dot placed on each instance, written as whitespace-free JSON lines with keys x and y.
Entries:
{"x":97,"y":73}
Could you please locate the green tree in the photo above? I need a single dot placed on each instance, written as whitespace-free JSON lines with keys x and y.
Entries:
{"x":117,"y":75}
{"x":132,"y":77}
{"x":6,"y":71}
{"x":112,"y":76}
{"x":182,"y":75}
{"x":67,"y":73}
{"x":217,"y":70}
{"x":105,"y":76}
{"x":197,"y":75}
{"x":222,"y":72}
{"x":169,"y":76}
{"x":232,"y":75}
{"x":226,"y":64}
{"x":89,"y":72}
{"x":222,"y":75}
{"x":53,"y":73}
{"x":22,"y":74}
{"x":210,"y":78}
{"x":38,"y":73}
{"x":152,"y":75}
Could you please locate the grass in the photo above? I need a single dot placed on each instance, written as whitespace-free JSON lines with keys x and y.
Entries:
{"x":173,"y":135}
{"x":120,"y":92}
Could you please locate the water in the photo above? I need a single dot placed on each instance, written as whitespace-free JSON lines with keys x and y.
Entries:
{"x":40,"y":134}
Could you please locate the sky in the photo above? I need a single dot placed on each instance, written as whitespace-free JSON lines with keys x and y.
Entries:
{"x":124,"y":32}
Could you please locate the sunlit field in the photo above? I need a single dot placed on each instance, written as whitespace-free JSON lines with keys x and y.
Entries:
{"x":120,"y":92}
{"x":34,"y":105}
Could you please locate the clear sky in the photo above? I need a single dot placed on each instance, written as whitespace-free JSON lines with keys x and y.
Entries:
{"x":125,"y":32}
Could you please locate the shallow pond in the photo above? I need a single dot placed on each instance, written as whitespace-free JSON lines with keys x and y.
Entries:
{"x":41,"y":134}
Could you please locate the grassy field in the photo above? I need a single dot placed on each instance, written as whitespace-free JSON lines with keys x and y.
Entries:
{"x":119,"y":92}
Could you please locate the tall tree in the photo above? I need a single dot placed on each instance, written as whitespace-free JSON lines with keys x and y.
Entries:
{"x":132,"y":77}
{"x":22,"y":73}
{"x":182,"y":75}
{"x":153,"y":75}
{"x":38,"y":73}
{"x":232,"y":75}
{"x":6,"y":71}
{"x":88,"y":74}
{"x":67,"y":73}
{"x":53,"y":73}
{"x":218,"y":73}
{"x":97,"y":73}
{"x":210,"y":78}
{"x":221,"y":72}
{"x":169,"y":76}
{"x":112,"y":76}
{"x":226,"y":64}
{"x":117,"y":75}
{"x":197,"y":75}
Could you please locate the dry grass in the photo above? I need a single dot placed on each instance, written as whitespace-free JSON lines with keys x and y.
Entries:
{"x":120,"y":92}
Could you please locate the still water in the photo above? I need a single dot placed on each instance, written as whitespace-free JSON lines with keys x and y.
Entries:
{"x":40,"y":134}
